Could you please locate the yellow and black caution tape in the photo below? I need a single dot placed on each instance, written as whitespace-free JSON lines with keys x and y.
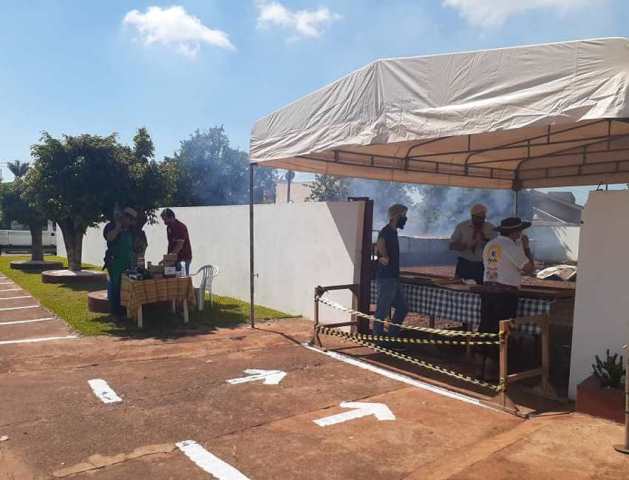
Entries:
{"x":383,"y":338}
{"x":420,"y":363}
{"x":434,"y":331}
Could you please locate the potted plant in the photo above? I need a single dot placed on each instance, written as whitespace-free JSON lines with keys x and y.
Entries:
{"x":601,"y":394}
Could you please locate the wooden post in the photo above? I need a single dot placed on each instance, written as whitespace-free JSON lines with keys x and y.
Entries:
{"x":316,"y":340}
{"x":625,"y":448}
{"x":504,"y":358}
{"x":364,"y":289}
{"x":545,"y":327}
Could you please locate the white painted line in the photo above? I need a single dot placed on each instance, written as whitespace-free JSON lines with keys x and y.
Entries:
{"x":35,"y":340}
{"x":18,"y":308}
{"x":16,"y":322}
{"x":401,"y":378}
{"x":358,"y":410}
{"x":103,"y":391}
{"x":15,"y":298}
{"x":7,"y":283}
{"x":11,"y":290}
{"x":270,"y":377}
{"x":209,"y":463}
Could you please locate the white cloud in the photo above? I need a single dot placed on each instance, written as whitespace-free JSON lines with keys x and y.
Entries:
{"x":174,"y":27}
{"x":304,"y":23}
{"x":492,"y":13}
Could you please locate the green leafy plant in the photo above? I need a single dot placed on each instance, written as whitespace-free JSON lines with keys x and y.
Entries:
{"x":611,"y":372}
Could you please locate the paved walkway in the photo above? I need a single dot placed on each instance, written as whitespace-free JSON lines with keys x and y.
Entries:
{"x":23,"y":320}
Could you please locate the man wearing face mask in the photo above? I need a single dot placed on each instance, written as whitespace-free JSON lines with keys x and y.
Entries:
{"x":388,"y":273}
{"x":469,"y":240}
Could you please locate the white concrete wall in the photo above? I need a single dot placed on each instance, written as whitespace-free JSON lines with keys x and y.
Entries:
{"x":601,"y":314}
{"x":297,"y":247}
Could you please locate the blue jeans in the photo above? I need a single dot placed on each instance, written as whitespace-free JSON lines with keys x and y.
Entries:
{"x":113,"y":293}
{"x":390,"y":295}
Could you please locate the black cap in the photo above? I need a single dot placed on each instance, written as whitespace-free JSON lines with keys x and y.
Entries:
{"x":512,"y":224}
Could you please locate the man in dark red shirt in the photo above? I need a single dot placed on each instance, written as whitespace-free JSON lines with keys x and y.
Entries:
{"x":178,"y":239}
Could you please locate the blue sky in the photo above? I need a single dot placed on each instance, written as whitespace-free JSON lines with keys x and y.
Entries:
{"x":70,"y":66}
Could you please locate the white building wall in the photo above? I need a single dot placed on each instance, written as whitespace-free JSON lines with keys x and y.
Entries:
{"x":601,"y":318}
{"x":297,"y":247}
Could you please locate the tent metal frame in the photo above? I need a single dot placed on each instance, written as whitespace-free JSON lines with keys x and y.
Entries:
{"x":429,"y":163}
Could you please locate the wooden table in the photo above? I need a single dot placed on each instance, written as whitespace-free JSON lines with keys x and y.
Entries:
{"x":135,"y":293}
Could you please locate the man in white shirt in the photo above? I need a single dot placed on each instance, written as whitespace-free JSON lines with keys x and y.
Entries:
{"x":469,"y":240}
{"x":505,"y":261}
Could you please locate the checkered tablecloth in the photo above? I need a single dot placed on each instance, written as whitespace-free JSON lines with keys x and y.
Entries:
{"x":464,"y":307}
{"x":134,"y":293}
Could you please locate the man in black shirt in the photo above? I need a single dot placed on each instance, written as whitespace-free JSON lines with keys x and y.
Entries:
{"x":388,"y":273}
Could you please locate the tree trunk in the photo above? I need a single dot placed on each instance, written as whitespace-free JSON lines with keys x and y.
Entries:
{"x":73,"y":240}
{"x":37,"y":253}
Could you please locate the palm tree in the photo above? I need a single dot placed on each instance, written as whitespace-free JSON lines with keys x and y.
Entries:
{"x":17,"y":168}
{"x":13,"y":201}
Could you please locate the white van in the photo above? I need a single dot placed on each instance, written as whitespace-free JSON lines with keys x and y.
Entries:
{"x":19,"y":238}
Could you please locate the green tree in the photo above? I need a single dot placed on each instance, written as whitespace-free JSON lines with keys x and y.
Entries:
{"x":143,"y":148}
{"x":328,"y":188}
{"x":145,"y":187}
{"x":78,"y":181}
{"x":206,"y":170}
{"x":17,"y":168}
{"x":15,"y":207}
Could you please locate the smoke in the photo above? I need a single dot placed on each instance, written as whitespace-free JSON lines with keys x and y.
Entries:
{"x":432,"y":210}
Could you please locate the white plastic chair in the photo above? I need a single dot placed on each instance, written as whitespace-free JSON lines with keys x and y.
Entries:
{"x":208,"y":273}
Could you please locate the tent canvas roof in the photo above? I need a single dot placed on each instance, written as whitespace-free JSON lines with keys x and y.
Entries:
{"x":525,"y":117}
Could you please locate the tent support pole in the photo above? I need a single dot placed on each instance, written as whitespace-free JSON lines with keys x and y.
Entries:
{"x":251,"y":251}
{"x":516,"y":202}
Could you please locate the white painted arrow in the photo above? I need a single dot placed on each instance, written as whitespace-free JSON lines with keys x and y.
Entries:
{"x":208,"y":462}
{"x":270,"y":377}
{"x":359,"y":410}
{"x":103,"y":391}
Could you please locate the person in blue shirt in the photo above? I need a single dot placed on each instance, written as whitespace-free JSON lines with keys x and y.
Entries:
{"x":388,"y":273}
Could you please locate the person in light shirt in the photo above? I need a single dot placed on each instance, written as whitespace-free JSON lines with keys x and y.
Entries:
{"x":505,"y":261}
{"x":468,"y":241}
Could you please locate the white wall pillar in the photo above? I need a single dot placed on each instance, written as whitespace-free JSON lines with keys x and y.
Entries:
{"x":601,"y":316}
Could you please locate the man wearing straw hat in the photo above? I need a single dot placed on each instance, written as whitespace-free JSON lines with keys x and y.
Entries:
{"x":469,"y":240}
{"x":505,"y":261}
{"x":388,"y":273}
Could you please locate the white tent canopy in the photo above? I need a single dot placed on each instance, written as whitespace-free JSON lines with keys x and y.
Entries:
{"x":527,"y":117}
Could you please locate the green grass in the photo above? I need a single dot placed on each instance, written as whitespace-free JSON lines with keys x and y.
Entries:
{"x":70,"y":303}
